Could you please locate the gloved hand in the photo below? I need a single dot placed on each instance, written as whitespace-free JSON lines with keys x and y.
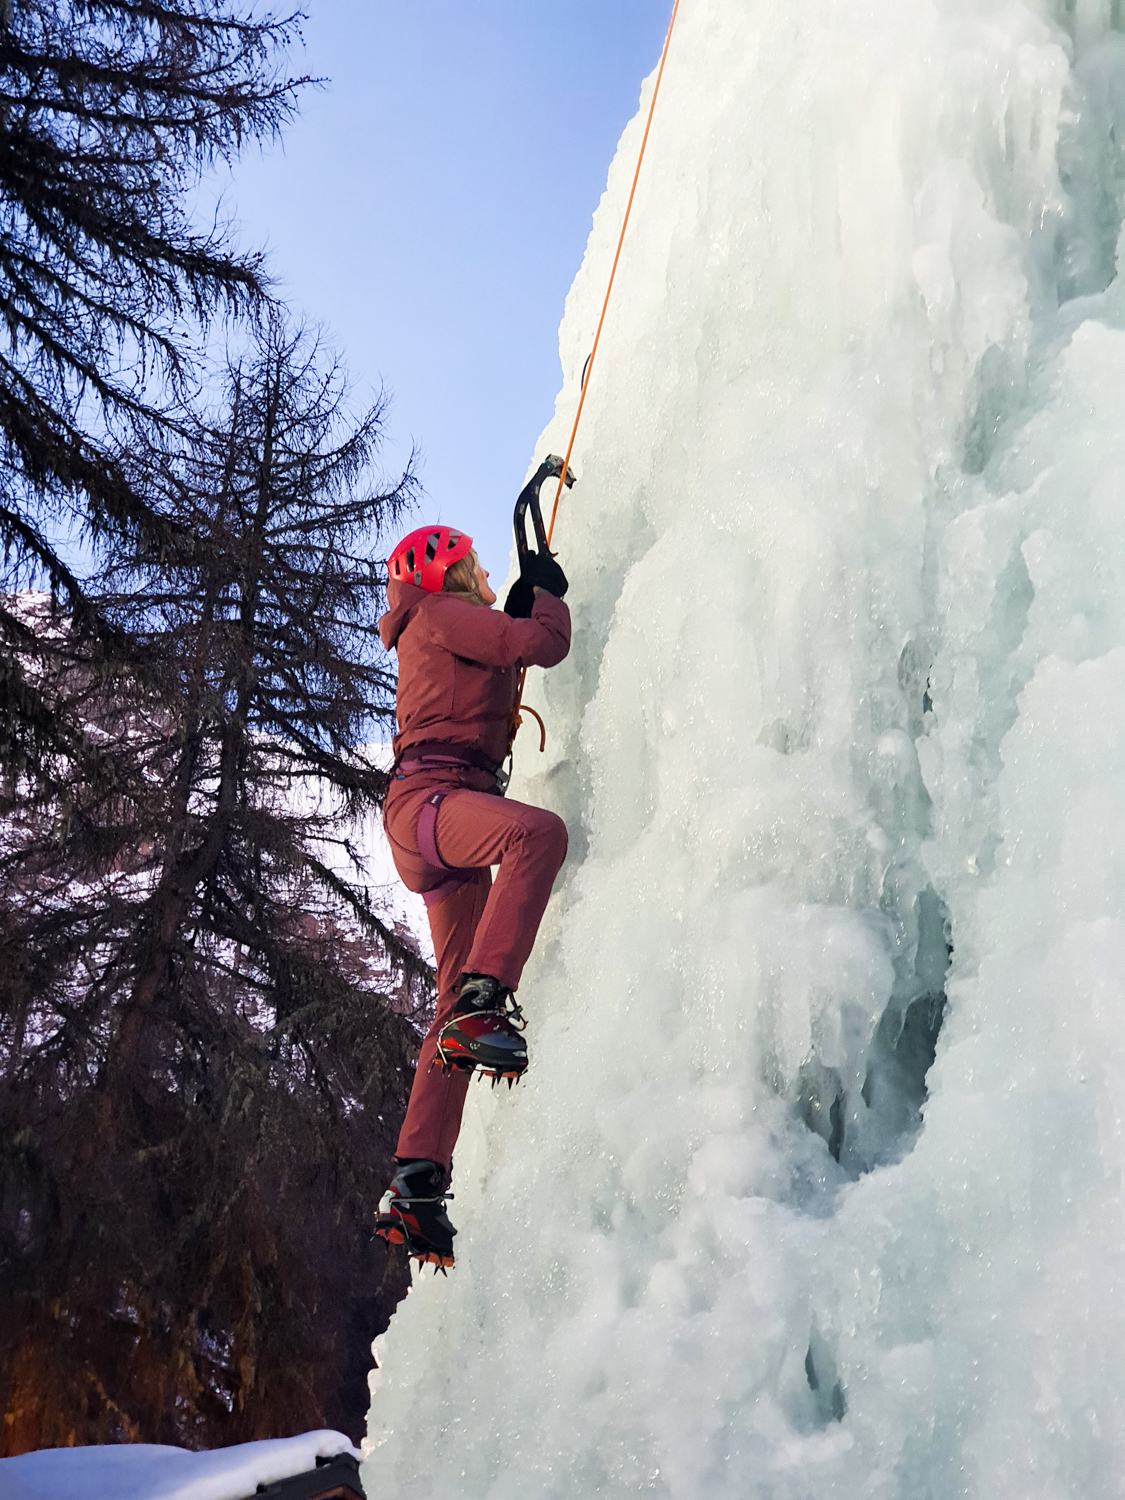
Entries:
{"x":542,"y":571}
{"x":521,"y":596}
{"x":539,"y":571}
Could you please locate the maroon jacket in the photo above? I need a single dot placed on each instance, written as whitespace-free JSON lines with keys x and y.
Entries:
{"x":459,"y":664}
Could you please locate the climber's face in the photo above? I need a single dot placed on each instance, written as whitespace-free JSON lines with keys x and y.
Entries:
{"x":482,"y":582}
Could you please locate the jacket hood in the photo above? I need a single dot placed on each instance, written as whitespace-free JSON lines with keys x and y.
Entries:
{"x":402,"y":600}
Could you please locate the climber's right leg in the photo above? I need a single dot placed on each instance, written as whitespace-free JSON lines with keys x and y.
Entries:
{"x":475,"y":829}
{"x":529,"y":844}
{"x":483,"y":935}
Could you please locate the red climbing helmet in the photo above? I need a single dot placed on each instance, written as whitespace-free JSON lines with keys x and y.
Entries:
{"x":422,"y":557}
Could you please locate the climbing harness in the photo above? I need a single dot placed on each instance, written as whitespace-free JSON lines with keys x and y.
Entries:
{"x":564,"y":472}
{"x":428,"y":849}
{"x":428,"y":754}
{"x":433,"y":755}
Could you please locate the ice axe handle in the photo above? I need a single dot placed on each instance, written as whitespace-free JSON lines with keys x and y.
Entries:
{"x":550,"y":468}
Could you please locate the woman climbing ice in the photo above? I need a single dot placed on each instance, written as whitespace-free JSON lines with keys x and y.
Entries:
{"x":459,"y":664}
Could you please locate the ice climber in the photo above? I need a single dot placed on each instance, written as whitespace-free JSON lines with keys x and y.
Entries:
{"x":448,"y":821}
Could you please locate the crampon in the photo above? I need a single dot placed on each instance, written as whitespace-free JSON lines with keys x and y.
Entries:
{"x":412,"y":1213}
{"x":483,"y":1033}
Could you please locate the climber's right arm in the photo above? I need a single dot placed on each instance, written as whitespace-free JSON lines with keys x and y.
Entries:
{"x":496,"y":640}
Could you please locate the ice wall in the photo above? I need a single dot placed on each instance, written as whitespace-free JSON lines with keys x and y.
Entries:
{"x":841,"y":746}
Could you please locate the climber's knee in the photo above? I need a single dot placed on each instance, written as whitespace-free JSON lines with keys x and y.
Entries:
{"x":553,"y":836}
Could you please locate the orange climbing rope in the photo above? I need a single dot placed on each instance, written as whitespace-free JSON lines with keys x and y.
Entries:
{"x":588,"y":369}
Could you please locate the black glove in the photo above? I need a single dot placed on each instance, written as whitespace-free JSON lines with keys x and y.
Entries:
{"x":539,"y":570}
{"x":542,"y":571}
{"x":521,"y":596}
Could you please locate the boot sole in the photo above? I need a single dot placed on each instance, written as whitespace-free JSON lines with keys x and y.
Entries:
{"x":482,"y":1070}
{"x":452,"y":1055}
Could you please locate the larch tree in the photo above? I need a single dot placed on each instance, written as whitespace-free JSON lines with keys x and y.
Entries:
{"x":109,"y":110}
{"x":206,"y":1014}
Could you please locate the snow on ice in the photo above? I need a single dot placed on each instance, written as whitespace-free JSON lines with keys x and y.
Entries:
{"x":815,"y":1185}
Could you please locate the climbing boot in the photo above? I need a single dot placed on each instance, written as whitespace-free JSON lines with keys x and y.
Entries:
{"x":483,"y":1033}
{"x":412,"y":1213}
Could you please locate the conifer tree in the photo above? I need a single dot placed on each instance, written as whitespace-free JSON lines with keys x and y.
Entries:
{"x":108,"y":111}
{"x":204,"y":1015}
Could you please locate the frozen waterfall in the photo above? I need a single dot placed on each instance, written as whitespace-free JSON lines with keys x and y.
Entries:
{"x":815,"y":1185}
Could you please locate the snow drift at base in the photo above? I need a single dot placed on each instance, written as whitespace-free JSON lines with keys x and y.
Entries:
{"x":156,"y":1471}
{"x":815,"y":1184}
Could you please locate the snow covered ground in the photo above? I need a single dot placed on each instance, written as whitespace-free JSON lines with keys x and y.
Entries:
{"x":146,"y":1471}
{"x":842,"y":751}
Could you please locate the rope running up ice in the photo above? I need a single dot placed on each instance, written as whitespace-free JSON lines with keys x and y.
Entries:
{"x":589,"y":367}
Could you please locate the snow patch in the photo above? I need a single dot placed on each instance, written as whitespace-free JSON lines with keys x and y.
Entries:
{"x":151,"y":1471}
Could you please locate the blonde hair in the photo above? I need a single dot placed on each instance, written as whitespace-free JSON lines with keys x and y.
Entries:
{"x":461,"y":579}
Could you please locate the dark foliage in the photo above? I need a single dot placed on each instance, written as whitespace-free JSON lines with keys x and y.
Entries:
{"x":204,"y":1015}
{"x":108,"y":110}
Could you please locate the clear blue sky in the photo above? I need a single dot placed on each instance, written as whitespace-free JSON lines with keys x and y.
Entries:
{"x":431,"y":206}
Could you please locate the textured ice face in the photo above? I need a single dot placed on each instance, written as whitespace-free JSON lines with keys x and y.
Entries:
{"x":841,"y":748}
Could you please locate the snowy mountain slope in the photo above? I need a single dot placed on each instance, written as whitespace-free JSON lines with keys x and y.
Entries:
{"x":842,"y":753}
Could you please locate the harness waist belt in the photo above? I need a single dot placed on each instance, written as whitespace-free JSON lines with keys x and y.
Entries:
{"x":433,"y":753}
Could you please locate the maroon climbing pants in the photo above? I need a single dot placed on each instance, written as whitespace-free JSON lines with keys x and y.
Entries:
{"x":483,"y":927}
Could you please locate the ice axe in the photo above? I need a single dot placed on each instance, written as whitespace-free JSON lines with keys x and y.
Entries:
{"x":521,"y":596}
{"x":550,"y":468}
